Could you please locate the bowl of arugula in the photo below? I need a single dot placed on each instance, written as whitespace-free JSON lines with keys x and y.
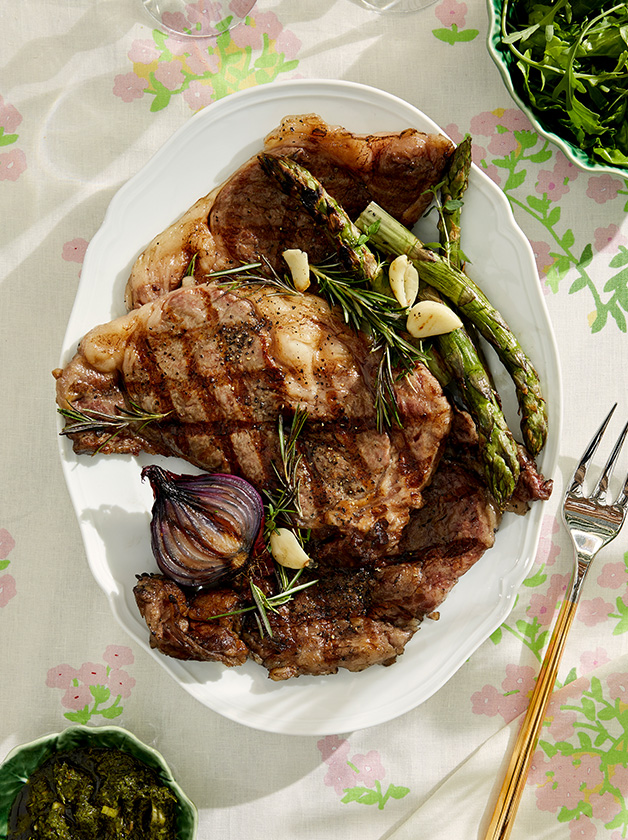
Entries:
{"x":565,"y":63}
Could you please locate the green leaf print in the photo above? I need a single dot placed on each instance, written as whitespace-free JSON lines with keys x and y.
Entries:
{"x":454,"y":35}
{"x":7,"y":139}
{"x":622,"y":615}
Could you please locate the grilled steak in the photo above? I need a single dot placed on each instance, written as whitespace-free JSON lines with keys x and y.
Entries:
{"x":249,"y":216}
{"x":223,"y":365}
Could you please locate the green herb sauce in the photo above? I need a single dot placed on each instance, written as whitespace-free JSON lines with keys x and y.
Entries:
{"x":92,"y":793}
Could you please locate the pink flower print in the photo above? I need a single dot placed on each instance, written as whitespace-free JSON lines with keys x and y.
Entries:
{"x":339,"y":776}
{"x":605,"y":237}
{"x":268,"y":23}
{"x":518,"y":683}
{"x":170,"y":75}
{"x":10,"y":117}
{"x":484,"y":124}
{"x":176,"y":21}
{"x":619,"y":778}
{"x":561,"y":726}
{"x":502,"y":144}
{"x":604,"y":807}
{"x":567,"y":776}
{"x":487,"y":701}
{"x":200,"y":62}
{"x":12,"y":164}
{"x":603,"y":188}
{"x":143,"y":52}
{"x":76,"y":697}
{"x":265,"y":23}
{"x":204,"y":12}
{"x":120,"y":682}
{"x":74,"y":250}
{"x":582,"y":829}
{"x":182,"y":46}
{"x":288,"y":44}
{"x":594,"y":612}
{"x":590,"y":660}
{"x":544,"y":606}
{"x":333,"y":749}
{"x":539,"y":766}
{"x":564,"y":168}
{"x":128,"y":86}
{"x":453,"y":132}
{"x":198,"y":95}
{"x":8,"y":589}
{"x":618,"y":687}
{"x":241,"y":7}
{"x":62,"y":676}
{"x":552,"y":184}
{"x":7,"y":543}
{"x":370,"y":768}
{"x":450,"y":13}
{"x":116,"y":655}
{"x":613,"y":576}
{"x":514,"y":120}
{"x":544,"y":262}
{"x":573,"y":690}
{"x":589,"y":771}
{"x":518,"y":678}
{"x":244,"y":36}
{"x":92,"y":674}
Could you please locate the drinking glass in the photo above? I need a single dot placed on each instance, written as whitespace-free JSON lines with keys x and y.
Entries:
{"x":396,"y":6}
{"x":197,"y":18}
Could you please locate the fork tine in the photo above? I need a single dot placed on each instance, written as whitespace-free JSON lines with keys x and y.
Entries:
{"x":623,"y":496}
{"x":602,"y":486}
{"x":577,"y":479}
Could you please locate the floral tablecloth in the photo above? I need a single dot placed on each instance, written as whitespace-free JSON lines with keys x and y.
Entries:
{"x":88,"y":92}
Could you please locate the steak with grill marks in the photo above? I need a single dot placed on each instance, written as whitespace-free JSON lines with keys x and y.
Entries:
{"x":223,"y":365}
{"x":249,"y":215}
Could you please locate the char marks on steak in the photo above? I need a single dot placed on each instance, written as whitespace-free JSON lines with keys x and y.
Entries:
{"x":249,"y":215}
{"x":223,"y":365}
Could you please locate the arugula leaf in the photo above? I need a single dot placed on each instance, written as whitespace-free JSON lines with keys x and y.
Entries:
{"x":569,"y":61}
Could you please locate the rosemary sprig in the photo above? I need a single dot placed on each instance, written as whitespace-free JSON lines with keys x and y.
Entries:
{"x":379,"y":315}
{"x":270,"y":603}
{"x":90,"y":420}
{"x":283,"y":505}
{"x":248,"y":274}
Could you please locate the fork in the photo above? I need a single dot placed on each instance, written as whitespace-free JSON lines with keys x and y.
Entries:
{"x":592,"y":523}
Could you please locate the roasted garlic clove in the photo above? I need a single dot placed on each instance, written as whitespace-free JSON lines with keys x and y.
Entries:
{"x":430,"y":317}
{"x":287,"y":550}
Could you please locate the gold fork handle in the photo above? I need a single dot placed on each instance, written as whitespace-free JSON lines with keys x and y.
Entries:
{"x":514,"y":782}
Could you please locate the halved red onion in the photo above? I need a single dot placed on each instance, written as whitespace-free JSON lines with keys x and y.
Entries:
{"x":203,"y":526}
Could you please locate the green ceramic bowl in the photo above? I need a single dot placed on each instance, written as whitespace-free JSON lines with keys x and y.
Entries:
{"x":25,"y":759}
{"x":503,"y":59}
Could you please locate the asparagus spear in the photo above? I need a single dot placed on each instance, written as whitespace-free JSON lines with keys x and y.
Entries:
{"x":452,"y":189}
{"x":458,"y":354}
{"x":295,"y":180}
{"x":393,"y":238}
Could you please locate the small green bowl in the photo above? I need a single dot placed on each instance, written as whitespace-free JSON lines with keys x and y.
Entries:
{"x":504,"y":60}
{"x":25,"y":759}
